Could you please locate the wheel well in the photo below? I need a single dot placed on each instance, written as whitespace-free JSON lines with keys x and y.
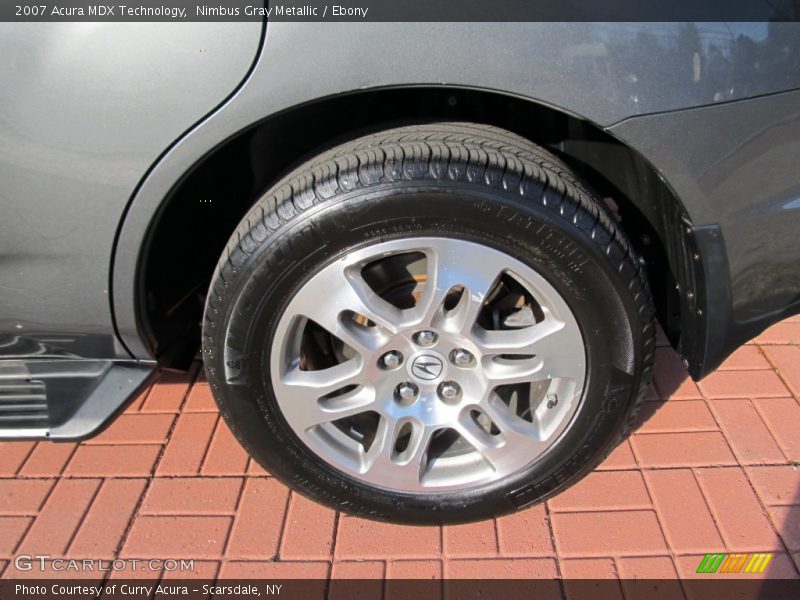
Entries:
{"x":198,"y":216}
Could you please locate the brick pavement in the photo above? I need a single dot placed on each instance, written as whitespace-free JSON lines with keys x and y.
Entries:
{"x":713,"y":466}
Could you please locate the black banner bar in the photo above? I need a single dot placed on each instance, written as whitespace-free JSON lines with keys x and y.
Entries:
{"x":711,"y":587}
{"x":402,"y":10}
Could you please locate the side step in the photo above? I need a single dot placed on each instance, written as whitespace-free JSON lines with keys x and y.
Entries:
{"x":64,"y":399}
{"x":23,"y":404}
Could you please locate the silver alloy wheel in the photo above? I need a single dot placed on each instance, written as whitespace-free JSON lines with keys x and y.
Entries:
{"x":471,"y":422}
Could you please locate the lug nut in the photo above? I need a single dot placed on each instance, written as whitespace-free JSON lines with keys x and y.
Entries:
{"x":449,"y":391}
{"x":406,"y":392}
{"x":461,"y":357}
{"x":392,"y":359}
{"x":426,"y":338}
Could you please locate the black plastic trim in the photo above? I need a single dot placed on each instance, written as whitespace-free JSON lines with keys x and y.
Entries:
{"x":82,"y":396}
{"x":707,"y":309}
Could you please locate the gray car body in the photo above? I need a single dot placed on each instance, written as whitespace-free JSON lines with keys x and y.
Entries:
{"x":100,"y":121}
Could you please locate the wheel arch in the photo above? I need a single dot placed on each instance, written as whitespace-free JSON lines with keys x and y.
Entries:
{"x":183,"y":238}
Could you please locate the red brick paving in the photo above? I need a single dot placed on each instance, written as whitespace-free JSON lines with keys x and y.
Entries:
{"x":308,"y":530}
{"x":188,"y":444}
{"x":786,"y":360}
{"x":359,"y":570}
{"x":743,"y":384}
{"x":605,"y":490}
{"x":696,"y":449}
{"x":746,"y":358}
{"x":639,"y":575}
{"x":192,"y":496}
{"x":525,"y":533}
{"x":502,"y":568}
{"x":177,"y":537}
{"x":359,"y":538}
{"x":106,"y":522}
{"x":23,"y":497}
{"x":225,"y":456}
{"x":672,"y":417}
{"x":785,"y":520}
{"x":787,"y":332}
{"x":750,"y":439}
{"x":588,"y":568}
{"x":739,"y":516}
{"x":683,"y":512}
{"x":259,"y":520}
{"x":621,"y":458}
{"x":113,"y":461}
{"x":710,"y":467}
{"x":775,"y":485}
{"x":414,"y":569}
{"x":47,"y":460}
{"x":781,"y":415}
{"x":470,"y":540}
{"x":13,"y":529}
{"x":608,"y":533}
{"x":59,"y":518}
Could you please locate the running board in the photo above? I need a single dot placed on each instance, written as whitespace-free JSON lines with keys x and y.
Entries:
{"x":64,"y":399}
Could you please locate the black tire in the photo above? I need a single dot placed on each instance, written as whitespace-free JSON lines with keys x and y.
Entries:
{"x":449,"y":179}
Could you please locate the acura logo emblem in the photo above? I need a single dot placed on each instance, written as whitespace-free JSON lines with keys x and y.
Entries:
{"x":427,"y":367}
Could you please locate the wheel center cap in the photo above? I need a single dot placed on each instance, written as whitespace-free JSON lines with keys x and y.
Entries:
{"x":427,"y":366}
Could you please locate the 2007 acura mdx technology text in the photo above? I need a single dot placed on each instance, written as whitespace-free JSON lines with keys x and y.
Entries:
{"x":423,"y":263}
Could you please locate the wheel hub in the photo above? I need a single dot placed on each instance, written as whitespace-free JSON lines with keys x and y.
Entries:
{"x":427,"y":366}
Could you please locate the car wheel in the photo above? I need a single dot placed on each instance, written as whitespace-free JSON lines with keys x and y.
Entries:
{"x":430,"y":324}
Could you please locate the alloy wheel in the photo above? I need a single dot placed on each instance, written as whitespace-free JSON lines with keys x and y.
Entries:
{"x":428,"y":364}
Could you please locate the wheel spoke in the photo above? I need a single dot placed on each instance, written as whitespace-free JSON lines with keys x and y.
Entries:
{"x":308,"y":390}
{"x":557,"y":401}
{"x":561,"y":355}
{"x":446,"y":271}
{"x":500,"y":371}
{"x":355,"y":402}
{"x":516,"y":435}
{"x":312,"y":385}
{"x":527,"y":340}
{"x":484,"y":443}
{"x":346,"y":294}
{"x":547,"y":350}
{"x":497,"y":450}
{"x":406,"y":466}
